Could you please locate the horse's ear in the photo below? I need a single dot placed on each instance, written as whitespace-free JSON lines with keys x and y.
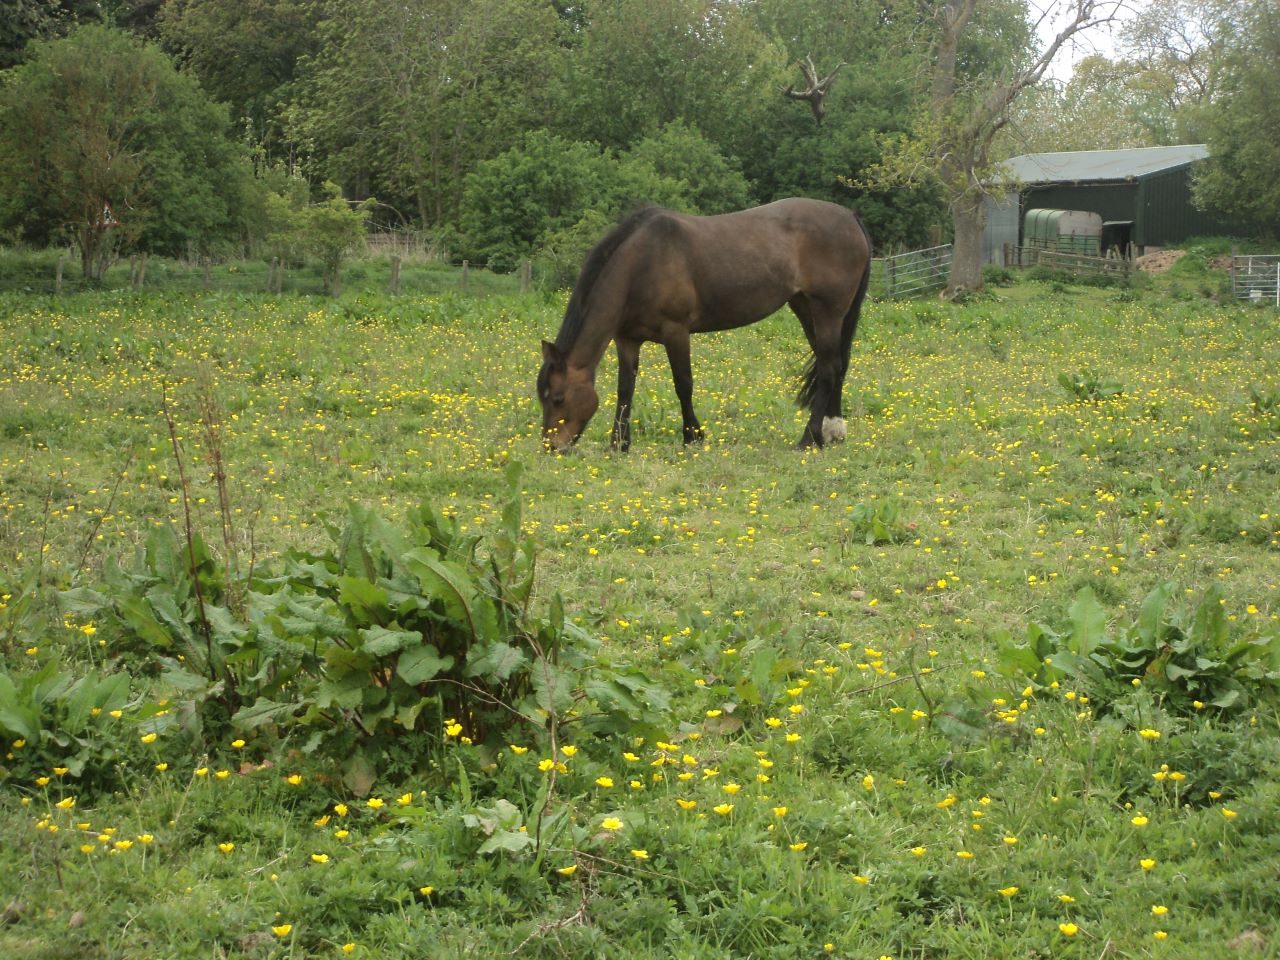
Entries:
{"x":551,"y":354}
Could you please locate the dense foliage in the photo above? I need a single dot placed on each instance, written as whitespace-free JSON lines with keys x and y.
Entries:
{"x":101,"y":121}
{"x":422,"y":105}
{"x":1242,"y":120}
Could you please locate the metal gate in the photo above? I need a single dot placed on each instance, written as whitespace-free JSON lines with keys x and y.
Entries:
{"x":917,"y":271}
{"x":1256,"y":278}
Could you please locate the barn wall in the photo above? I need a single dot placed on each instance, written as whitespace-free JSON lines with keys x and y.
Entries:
{"x":1114,"y":201}
{"x":1167,"y":215}
{"x":1159,"y":205}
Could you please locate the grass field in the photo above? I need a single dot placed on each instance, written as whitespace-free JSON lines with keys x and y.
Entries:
{"x":848,"y":740}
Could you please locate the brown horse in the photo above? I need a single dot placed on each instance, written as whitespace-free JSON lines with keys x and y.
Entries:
{"x":660,"y":276}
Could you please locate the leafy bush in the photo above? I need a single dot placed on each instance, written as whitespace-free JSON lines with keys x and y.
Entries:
{"x":1188,"y":660}
{"x":1090,"y":386}
{"x":383,"y":648}
{"x":55,"y":718}
{"x":550,"y":194}
{"x":993,"y":276}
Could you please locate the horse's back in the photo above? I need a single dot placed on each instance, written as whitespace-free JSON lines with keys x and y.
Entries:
{"x":732,"y":269}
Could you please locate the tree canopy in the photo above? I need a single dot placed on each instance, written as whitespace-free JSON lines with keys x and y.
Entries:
{"x":512,"y":128}
{"x":108,"y":144}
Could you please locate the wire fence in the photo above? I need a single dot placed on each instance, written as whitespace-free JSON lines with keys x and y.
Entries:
{"x":916,"y":271}
{"x":1256,"y":277}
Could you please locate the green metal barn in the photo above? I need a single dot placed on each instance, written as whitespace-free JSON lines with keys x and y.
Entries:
{"x":1145,"y":192}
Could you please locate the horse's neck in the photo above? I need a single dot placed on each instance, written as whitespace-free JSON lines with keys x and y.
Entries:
{"x":593,"y":340}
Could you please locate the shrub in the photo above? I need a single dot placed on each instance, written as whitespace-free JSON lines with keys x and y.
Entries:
{"x":380,"y":650}
{"x":1187,"y":660}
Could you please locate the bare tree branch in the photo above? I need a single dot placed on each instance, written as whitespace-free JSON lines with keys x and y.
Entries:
{"x":816,"y":90}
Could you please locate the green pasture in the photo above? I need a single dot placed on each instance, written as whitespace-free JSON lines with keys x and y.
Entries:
{"x":852,"y":744}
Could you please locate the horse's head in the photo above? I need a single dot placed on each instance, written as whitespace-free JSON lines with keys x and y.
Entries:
{"x":568,"y":397}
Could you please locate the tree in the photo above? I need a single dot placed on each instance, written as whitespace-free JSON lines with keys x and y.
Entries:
{"x":106,"y":143}
{"x":404,"y":100}
{"x":876,"y":93}
{"x":244,"y":52}
{"x":1106,"y":105}
{"x":708,"y":181}
{"x":1181,"y":41}
{"x":967,"y":108}
{"x":1242,"y":120}
{"x":29,"y":20}
{"x":642,"y":64}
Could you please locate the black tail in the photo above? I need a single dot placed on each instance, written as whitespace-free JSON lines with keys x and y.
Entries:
{"x":809,"y":379}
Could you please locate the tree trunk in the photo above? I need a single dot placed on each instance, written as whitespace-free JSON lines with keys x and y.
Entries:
{"x":969,"y":216}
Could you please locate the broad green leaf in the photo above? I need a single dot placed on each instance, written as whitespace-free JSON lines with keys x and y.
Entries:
{"x":1151,"y":614}
{"x":446,"y":582}
{"x":264,"y":711}
{"x":422,"y":663}
{"x":364,"y":600}
{"x":1088,"y":622}
{"x":359,"y":774}
{"x":960,"y":721}
{"x":138,"y":616}
{"x":19,"y":721}
{"x":495,"y":661}
{"x":510,"y":841}
{"x":382,"y":641}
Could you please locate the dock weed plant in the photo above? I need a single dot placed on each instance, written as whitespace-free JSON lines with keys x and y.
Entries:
{"x":994,"y":678}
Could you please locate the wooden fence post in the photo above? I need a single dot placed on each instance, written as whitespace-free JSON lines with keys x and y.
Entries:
{"x":208,"y":266}
{"x":466,"y":272}
{"x":57,"y":276}
{"x":526,"y":274}
{"x":395,"y":275}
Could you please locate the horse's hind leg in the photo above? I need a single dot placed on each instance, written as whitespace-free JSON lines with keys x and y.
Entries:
{"x":682,"y":374}
{"x":822,"y":427}
{"x":628,"y":366}
{"x":824,"y":380}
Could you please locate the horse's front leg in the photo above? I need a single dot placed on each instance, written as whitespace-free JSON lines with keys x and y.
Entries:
{"x":628,"y":367}
{"x":682,"y":374}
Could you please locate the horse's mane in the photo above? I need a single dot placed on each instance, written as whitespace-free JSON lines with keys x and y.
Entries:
{"x":575,"y":314}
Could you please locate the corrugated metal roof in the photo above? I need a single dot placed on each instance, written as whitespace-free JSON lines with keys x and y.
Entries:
{"x":1095,"y":165}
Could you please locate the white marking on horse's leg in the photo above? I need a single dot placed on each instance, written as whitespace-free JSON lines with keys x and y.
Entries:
{"x":833,"y":429}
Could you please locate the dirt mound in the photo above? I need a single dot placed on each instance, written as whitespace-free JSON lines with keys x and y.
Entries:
{"x":1158,"y":261}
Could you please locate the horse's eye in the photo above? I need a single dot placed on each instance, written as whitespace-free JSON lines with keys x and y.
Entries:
{"x":557,"y":399}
